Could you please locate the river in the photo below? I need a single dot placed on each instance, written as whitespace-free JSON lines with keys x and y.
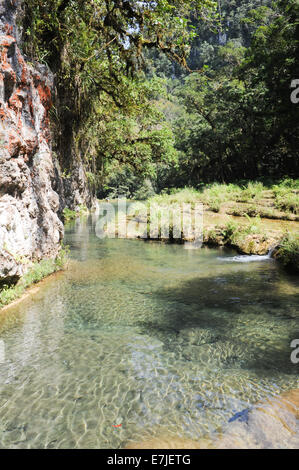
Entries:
{"x":150,"y":337}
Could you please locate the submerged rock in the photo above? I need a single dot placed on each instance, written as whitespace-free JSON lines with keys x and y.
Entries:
{"x":269,"y":425}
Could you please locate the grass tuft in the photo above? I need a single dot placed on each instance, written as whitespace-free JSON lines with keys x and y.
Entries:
{"x":283,"y":196}
{"x":288,"y":252}
{"x":35,"y":274}
{"x":69,"y":215}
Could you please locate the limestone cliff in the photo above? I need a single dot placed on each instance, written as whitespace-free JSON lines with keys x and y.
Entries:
{"x":30,"y":228}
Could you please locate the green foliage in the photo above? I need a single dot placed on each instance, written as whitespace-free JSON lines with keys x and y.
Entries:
{"x":232,"y":121}
{"x":130,"y":141}
{"x":235,"y":120}
{"x":97,"y":30}
{"x":238,"y":20}
{"x":178,"y":196}
{"x":253,"y":191}
{"x":105,"y":107}
{"x":219,"y":193}
{"x":216,"y":194}
{"x":62,"y":258}
{"x":145,"y":192}
{"x":235,"y":234}
{"x":35,"y":274}
{"x":261,"y":200}
{"x":288,"y":252}
{"x":69,"y":214}
{"x":289,"y":202}
{"x":254,"y":225}
{"x":215,"y":205}
{"x":287,"y":195}
{"x":231,"y":232}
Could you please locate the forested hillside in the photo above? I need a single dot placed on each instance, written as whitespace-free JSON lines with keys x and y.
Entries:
{"x":237,"y":120}
{"x":183,"y":95}
{"x":232,"y":118}
{"x":180,"y":94}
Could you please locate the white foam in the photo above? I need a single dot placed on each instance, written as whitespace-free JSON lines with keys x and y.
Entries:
{"x":246,"y":258}
{"x":249,"y":258}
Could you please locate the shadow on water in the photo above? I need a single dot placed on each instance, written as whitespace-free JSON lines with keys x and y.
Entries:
{"x":249,"y":311}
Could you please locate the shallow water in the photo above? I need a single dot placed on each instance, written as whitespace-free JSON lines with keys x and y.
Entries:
{"x":157,"y":338}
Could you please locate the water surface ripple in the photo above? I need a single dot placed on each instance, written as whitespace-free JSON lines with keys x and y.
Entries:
{"x":151,"y":336}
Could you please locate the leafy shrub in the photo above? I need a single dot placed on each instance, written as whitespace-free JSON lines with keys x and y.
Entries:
{"x":287,"y":195}
{"x":68,"y":214}
{"x":35,"y":274}
{"x":146,"y":191}
{"x":253,"y":190}
{"x":215,"y":206}
{"x":231,"y":232}
{"x":288,"y":202}
{"x":288,"y":252}
{"x":234,"y":233}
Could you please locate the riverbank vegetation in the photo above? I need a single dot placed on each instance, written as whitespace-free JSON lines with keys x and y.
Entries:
{"x":250,"y":238}
{"x":36,"y":273}
{"x":240,"y":211}
{"x":261,"y":199}
{"x":248,"y":235}
{"x":69,"y":214}
{"x":288,"y":252}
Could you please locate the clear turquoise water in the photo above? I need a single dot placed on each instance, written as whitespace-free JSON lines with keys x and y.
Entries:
{"x":160,"y":339}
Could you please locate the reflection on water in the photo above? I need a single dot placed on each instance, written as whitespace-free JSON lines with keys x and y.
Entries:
{"x":154,"y":337}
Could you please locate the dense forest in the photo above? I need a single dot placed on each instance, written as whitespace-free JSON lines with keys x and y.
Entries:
{"x":177,"y":94}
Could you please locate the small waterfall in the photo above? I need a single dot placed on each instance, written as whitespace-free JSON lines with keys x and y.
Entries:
{"x":249,"y":258}
{"x":271,"y":251}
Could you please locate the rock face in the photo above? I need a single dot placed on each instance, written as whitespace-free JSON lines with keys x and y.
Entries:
{"x":73,"y":190}
{"x":30,"y":228}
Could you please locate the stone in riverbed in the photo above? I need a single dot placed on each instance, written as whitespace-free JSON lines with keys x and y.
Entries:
{"x":272,"y":424}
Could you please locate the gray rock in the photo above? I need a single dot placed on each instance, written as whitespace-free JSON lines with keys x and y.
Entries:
{"x":30,"y":228}
{"x":33,"y":193}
